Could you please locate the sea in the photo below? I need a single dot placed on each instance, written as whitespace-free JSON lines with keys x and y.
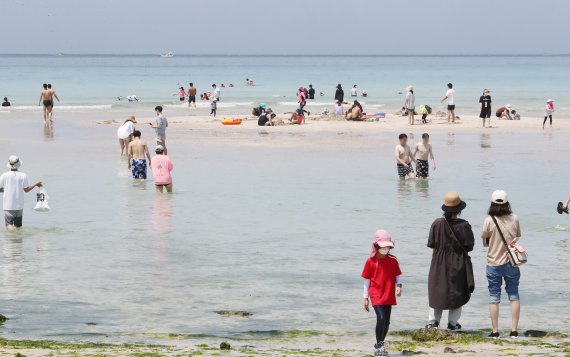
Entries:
{"x":272,"y":223}
{"x":95,"y":82}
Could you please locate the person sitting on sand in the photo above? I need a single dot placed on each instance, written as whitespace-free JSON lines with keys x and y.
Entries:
{"x":136,"y":156}
{"x":382,"y":284}
{"x":266,"y":119}
{"x":6,"y":103}
{"x":404,"y":158}
{"x":504,"y":112}
{"x":515,"y":115}
{"x":297,"y":117}
{"x":125,"y":133}
{"x":355,"y":112}
{"x":161,"y":168}
{"x":502,"y":225}
{"x":338,"y":108}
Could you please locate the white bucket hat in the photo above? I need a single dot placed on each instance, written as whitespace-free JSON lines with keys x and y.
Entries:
{"x":14,"y":162}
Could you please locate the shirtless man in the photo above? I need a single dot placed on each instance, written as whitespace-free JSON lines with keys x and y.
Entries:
{"x":422,"y":153}
{"x":136,"y":156}
{"x":192,"y":95}
{"x":46,"y":98}
{"x":403,"y":155}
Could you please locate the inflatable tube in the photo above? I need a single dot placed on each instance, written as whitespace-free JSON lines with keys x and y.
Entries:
{"x":231,"y":121}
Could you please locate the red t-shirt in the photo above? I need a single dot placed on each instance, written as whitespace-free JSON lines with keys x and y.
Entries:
{"x":382,"y":274}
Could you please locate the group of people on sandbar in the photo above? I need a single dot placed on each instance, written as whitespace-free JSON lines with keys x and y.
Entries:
{"x":137,"y":151}
{"x":450,"y":280}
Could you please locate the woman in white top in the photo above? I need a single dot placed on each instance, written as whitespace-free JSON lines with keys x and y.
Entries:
{"x":410,"y":104}
{"x":125,"y":133}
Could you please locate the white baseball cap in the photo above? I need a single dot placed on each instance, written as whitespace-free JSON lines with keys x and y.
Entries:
{"x":499,"y":197}
{"x":14,"y":162}
{"x":159,"y":148}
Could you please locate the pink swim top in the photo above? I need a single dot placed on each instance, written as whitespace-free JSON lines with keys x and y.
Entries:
{"x":182,"y":93}
{"x":161,"y":167}
{"x":549,"y":106}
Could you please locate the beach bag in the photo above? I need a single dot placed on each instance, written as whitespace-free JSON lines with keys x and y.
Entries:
{"x":428,"y":108}
{"x":256,"y":112}
{"x":517,"y":254}
{"x":468,"y":263}
{"x":42,"y":201}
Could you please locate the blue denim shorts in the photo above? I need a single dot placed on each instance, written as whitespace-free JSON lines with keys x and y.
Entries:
{"x":495,"y":276}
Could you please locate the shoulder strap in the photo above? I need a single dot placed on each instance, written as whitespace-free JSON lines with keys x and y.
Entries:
{"x":455,"y":237}
{"x":503,"y":238}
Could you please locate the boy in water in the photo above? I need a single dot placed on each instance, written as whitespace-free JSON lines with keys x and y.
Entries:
{"x":404,"y":157}
{"x":422,"y":153}
{"x":136,"y":153}
{"x":382,"y":284}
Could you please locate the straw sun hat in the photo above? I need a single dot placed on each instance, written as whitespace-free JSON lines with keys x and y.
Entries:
{"x":452,"y":203}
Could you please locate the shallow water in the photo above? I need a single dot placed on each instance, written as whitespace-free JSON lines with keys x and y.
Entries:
{"x":280,"y":231}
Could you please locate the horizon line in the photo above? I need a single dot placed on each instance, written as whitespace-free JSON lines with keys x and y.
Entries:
{"x":295,"y":55}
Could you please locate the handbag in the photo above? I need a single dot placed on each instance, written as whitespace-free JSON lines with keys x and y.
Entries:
{"x":516,"y":253}
{"x":468,"y":263}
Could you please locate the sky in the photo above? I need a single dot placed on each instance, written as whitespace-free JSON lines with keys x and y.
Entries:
{"x":285,"y":27}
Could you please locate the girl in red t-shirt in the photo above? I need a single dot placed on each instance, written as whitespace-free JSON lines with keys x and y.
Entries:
{"x":382,"y":284}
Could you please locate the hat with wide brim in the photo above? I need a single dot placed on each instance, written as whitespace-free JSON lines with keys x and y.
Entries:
{"x":132,"y":119}
{"x":14,"y":162}
{"x":560,"y":208}
{"x":452,"y":203}
{"x":549,"y":101}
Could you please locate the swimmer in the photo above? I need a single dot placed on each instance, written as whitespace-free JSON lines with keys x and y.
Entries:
{"x":6,"y":103}
{"x":181,"y":94}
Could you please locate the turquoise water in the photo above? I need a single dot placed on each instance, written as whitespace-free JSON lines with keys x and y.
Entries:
{"x":523,"y":81}
{"x":278,"y":224}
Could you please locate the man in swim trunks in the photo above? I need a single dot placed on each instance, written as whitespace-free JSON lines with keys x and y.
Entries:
{"x":192,"y":95}
{"x":161,"y":123}
{"x":422,"y":153}
{"x":136,"y":156}
{"x":46,"y":98}
{"x":404,"y":157}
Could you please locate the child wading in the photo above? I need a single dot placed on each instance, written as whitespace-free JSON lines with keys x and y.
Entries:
{"x":381,"y":286}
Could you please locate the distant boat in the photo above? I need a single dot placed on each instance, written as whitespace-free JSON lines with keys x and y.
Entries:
{"x":167,"y":55}
{"x":59,"y":54}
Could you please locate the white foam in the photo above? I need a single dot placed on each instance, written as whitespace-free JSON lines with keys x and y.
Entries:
{"x":70,"y":108}
{"x":206,"y":104}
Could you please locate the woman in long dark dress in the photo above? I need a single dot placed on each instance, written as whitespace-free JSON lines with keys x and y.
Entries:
{"x":450,"y":282}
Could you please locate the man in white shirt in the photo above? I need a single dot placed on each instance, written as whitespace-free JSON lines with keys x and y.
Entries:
{"x":14,"y":184}
{"x":216,"y":92}
{"x":450,"y":97}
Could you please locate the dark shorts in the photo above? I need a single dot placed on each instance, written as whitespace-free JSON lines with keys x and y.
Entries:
{"x":410,"y":111}
{"x":13,"y":218}
{"x":485,"y":113}
{"x":138,"y":168}
{"x":182,"y":99}
{"x":403,"y":171}
{"x":48,"y":103}
{"x":192,"y":98}
{"x":422,"y":168}
{"x":451,"y":107}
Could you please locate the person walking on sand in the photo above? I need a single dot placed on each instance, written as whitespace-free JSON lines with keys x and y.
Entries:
{"x":450,"y":97}
{"x":125,"y":133}
{"x":214,"y":107}
{"x":160,"y":125}
{"x":548,"y":112}
{"x":450,"y":282}
{"x":382,"y":284}
{"x":339,"y":94}
{"x":161,"y":167}
{"x":501,"y":220}
{"x":410,"y":104}
{"x":192,"y":95}
{"x":485,"y":103}
{"x":46,"y":98}
{"x":14,"y":184}
{"x":137,"y":152}
{"x":404,"y":158}
{"x":422,"y":153}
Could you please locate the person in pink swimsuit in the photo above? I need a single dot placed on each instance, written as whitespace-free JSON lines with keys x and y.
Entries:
{"x":161,"y":167}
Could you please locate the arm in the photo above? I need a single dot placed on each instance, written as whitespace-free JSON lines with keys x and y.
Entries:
{"x":365,"y":295}
{"x":399,"y":285}
{"x":129,"y":155}
{"x":432,"y":157}
{"x":469,"y":238}
{"x":56,"y":97}
{"x":431,"y":237}
{"x":29,"y":188}
{"x":41,"y":97}
{"x":147,"y":154}
{"x":444,"y":99}
{"x":567,"y":202}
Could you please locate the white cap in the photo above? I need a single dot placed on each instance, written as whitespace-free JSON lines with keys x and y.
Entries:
{"x":499,"y":197}
{"x":14,"y":162}
{"x":159,"y":148}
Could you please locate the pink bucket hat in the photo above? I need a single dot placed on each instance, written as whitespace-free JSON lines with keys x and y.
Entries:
{"x":383,"y":239}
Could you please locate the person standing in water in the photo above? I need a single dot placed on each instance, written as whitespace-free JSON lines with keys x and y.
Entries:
{"x":450,"y":282}
{"x":137,"y":152}
{"x":181,"y":94}
{"x":502,"y":220}
{"x":192,"y":95}
{"x":410,"y":104}
{"x":311,"y":92}
{"x":485,"y":102}
{"x":161,"y":167}
{"x":422,"y":153}
{"x":14,"y":184}
{"x":6,"y":103}
{"x":450,"y":97}
{"x":404,"y":157}
{"x":160,"y":125}
{"x":339,"y":94}
{"x":382,"y":284}
{"x":548,"y":112}
{"x":354,"y":91}
{"x":46,"y":98}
